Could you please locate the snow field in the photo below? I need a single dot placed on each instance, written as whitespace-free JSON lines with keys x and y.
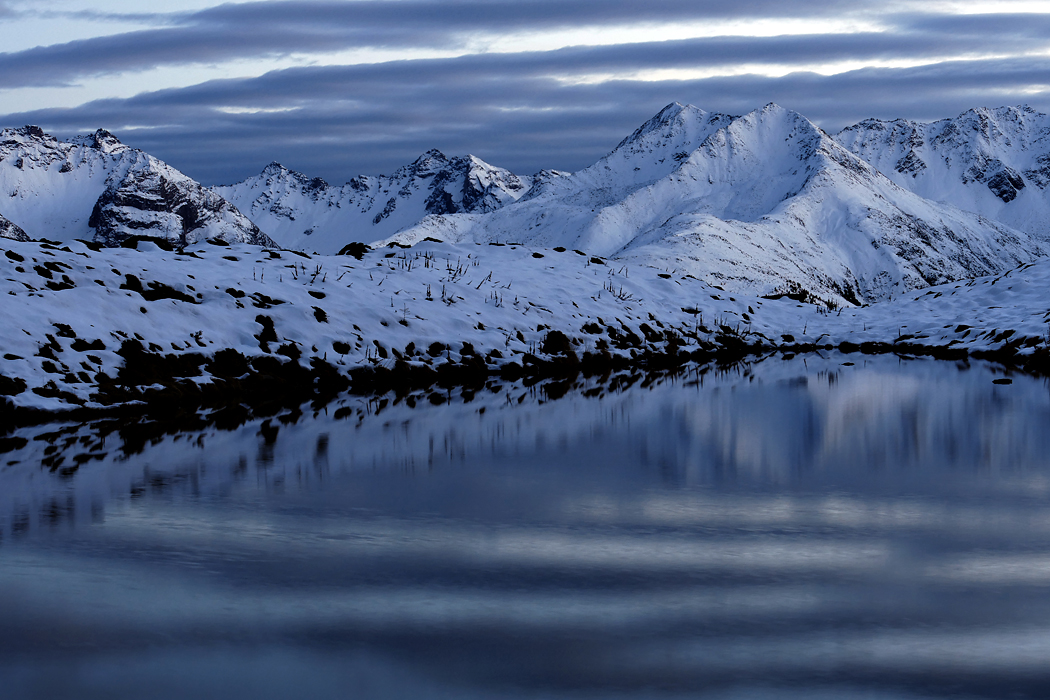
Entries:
{"x":423,"y":304}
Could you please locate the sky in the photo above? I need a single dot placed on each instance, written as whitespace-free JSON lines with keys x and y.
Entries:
{"x":335,"y":89}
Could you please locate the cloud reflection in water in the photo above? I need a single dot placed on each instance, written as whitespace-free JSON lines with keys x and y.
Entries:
{"x":785,"y":530}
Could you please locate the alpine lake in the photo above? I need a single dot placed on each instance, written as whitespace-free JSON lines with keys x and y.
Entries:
{"x":822,"y":526}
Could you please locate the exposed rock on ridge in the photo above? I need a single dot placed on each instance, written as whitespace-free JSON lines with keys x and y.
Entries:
{"x":10,"y":230}
{"x":303,"y":212}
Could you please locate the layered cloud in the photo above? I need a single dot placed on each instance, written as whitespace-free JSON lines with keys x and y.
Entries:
{"x":264,"y":80}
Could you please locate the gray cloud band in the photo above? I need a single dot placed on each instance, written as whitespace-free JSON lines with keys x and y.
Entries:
{"x":367,"y":119}
{"x":268,"y":29}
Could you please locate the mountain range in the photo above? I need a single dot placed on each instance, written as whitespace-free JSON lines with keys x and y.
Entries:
{"x":765,"y":203}
{"x":762,"y":203}
{"x":298,"y":211}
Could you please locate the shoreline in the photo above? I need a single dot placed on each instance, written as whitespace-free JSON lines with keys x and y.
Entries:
{"x":143,"y":330}
{"x":267,"y":388}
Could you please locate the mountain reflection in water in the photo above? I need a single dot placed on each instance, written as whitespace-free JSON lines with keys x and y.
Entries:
{"x":800,"y":528}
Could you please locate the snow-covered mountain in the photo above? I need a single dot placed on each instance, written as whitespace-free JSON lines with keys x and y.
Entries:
{"x":304,"y":213}
{"x":758,"y":203}
{"x":95,"y":187}
{"x":995,"y":162}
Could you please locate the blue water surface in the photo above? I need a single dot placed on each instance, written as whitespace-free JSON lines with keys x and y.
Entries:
{"x":845,"y":526}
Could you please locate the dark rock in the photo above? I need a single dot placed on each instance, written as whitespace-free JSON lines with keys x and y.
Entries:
{"x":11,"y":386}
{"x":1006,"y":184}
{"x":356,"y":249}
{"x":81,"y":345}
{"x":156,"y":290}
{"x":268,"y":334}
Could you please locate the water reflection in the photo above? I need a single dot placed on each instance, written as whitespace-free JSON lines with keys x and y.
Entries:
{"x":797,"y":528}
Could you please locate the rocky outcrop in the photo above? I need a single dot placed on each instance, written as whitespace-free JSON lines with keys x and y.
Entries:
{"x":10,"y":230}
{"x":154,"y":201}
{"x":1005,"y":184}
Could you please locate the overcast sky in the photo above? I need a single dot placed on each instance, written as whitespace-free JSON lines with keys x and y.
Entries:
{"x":340,"y":88}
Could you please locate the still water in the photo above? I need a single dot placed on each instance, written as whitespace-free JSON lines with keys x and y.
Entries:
{"x":809,"y":528}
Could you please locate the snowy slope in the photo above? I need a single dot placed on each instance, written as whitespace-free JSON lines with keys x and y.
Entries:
{"x":500,"y":299}
{"x":995,"y":162}
{"x":67,"y":311}
{"x":94,"y":187}
{"x":308,"y":214}
{"x":758,"y":203}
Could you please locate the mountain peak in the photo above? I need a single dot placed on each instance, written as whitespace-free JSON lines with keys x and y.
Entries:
{"x":1004,"y":110}
{"x":29,"y":132}
{"x":274,"y":167}
{"x":101,"y":140}
{"x":786,"y":123}
{"x":476,"y":162}
{"x":673,"y":118}
{"x":276,"y":171}
{"x":997,"y":114}
{"x":426,"y":164}
{"x":105,"y":141}
{"x":799,"y":128}
{"x":105,"y":137}
{"x":673,"y":110}
{"x":432,"y":154}
{"x":775,"y":111}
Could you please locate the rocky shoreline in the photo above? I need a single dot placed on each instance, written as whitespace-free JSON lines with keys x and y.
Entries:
{"x":144,"y":329}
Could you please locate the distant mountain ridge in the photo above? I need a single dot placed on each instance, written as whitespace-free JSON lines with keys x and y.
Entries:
{"x":299,"y":211}
{"x":95,"y":187}
{"x":995,"y":162}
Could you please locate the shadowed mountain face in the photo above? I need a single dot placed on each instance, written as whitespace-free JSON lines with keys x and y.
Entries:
{"x":760,"y":203}
{"x":300,"y":212}
{"x":94,"y":187}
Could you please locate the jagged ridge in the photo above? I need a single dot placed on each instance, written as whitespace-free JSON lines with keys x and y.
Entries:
{"x":303,"y":212}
